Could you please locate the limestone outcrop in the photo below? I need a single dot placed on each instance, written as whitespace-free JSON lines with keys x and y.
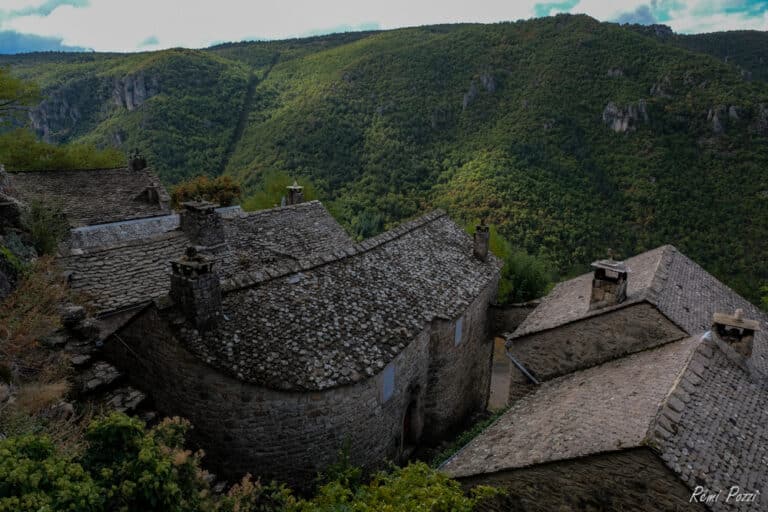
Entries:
{"x":622,"y":119}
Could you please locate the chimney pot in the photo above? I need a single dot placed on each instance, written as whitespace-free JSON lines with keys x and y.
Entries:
{"x":609,"y":283}
{"x":482,"y":239}
{"x":136,"y":162}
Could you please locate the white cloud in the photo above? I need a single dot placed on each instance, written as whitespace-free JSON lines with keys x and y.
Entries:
{"x":120,"y":25}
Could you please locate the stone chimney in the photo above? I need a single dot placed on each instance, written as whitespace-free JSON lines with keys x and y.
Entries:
{"x":202,"y":224}
{"x":734,"y":334}
{"x":195,"y":289}
{"x":295,"y":194}
{"x":136,"y":162}
{"x":482,"y":238}
{"x":609,"y":283}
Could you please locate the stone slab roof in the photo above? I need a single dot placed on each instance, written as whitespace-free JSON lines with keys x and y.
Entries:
{"x":604,"y":408}
{"x":94,"y":196}
{"x":136,"y":271}
{"x":681,"y":289}
{"x":569,"y":300}
{"x":336,"y":319}
{"x":712,"y":429}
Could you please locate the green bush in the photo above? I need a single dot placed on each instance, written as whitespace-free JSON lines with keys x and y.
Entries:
{"x":416,"y":487}
{"x":33,"y":478}
{"x":223,"y":191}
{"x":46,"y":224}
{"x":125,"y":467}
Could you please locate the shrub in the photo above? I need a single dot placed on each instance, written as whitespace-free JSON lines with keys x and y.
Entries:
{"x":46,"y":224}
{"x":223,"y":191}
{"x":415,"y":487}
{"x":34,"y":478}
{"x":20,"y":150}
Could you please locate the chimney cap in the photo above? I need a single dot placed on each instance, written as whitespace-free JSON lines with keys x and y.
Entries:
{"x":612,"y":265}
{"x":736,"y":320}
{"x":199,"y":205}
{"x":295,"y":186}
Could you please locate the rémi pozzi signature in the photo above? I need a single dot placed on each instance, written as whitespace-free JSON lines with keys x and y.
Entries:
{"x":734,"y":494}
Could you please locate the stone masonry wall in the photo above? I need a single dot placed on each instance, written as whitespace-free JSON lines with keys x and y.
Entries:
{"x":245,"y":428}
{"x":594,"y":340}
{"x":459,"y":376}
{"x":507,"y":317}
{"x":631,"y":480}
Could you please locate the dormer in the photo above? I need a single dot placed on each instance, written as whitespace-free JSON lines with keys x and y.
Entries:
{"x":609,"y":283}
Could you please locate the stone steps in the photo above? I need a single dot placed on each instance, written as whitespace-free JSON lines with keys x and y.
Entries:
{"x":100,"y":377}
{"x":125,"y":399}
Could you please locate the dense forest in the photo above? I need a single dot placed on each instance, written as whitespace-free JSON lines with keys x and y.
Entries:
{"x":572,"y":136}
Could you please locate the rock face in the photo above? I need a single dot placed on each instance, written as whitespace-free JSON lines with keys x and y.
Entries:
{"x":761,"y":121}
{"x":82,"y":101}
{"x":132,"y":91}
{"x":720,"y":115}
{"x":487,"y":81}
{"x":624,"y":119}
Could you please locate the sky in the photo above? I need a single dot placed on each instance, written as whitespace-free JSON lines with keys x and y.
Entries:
{"x":136,"y":25}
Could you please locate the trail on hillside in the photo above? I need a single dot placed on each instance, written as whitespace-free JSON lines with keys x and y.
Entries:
{"x":253,"y":81}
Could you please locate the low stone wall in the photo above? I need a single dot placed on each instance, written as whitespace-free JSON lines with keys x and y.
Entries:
{"x":631,"y":480}
{"x":105,"y":235}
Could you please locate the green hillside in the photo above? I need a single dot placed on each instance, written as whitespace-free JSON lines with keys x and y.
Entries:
{"x":512,"y":122}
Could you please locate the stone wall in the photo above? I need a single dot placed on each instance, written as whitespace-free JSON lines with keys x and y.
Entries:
{"x":507,"y":317}
{"x":631,"y":480}
{"x":459,"y":375}
{"x":245,"y":428}
{"x":593,"y":340}
{"x":293,"y":435}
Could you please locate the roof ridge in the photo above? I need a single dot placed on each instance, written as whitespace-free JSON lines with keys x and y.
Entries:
{"x":292,"y":267}
{"x":94,"y":169}
{"x":664,"y":423}
{"x":661,"y":273}
{"x":298,"y":206}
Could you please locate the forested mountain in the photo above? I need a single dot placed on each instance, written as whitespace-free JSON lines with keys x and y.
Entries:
{"x":572,"y":135}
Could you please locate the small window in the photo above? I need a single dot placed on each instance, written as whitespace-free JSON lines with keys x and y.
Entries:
{"x":388,"y":382}
{"x":458,"y":332}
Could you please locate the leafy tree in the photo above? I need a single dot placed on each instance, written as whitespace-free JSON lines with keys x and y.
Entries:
{"x":764,"y":300}
{"x":16,"y":96}
{"x":223,"y":191}
{"x":523,"y":277}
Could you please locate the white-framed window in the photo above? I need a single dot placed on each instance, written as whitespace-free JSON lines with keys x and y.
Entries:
{"x":388,"y":382}
{"x":458,"y":332}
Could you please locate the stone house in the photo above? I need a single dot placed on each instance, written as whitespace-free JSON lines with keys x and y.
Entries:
{"x":279,"y":337}
{"x":100,"y":196}
{"x":374,"y":346}
{"x":634,"y":387}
